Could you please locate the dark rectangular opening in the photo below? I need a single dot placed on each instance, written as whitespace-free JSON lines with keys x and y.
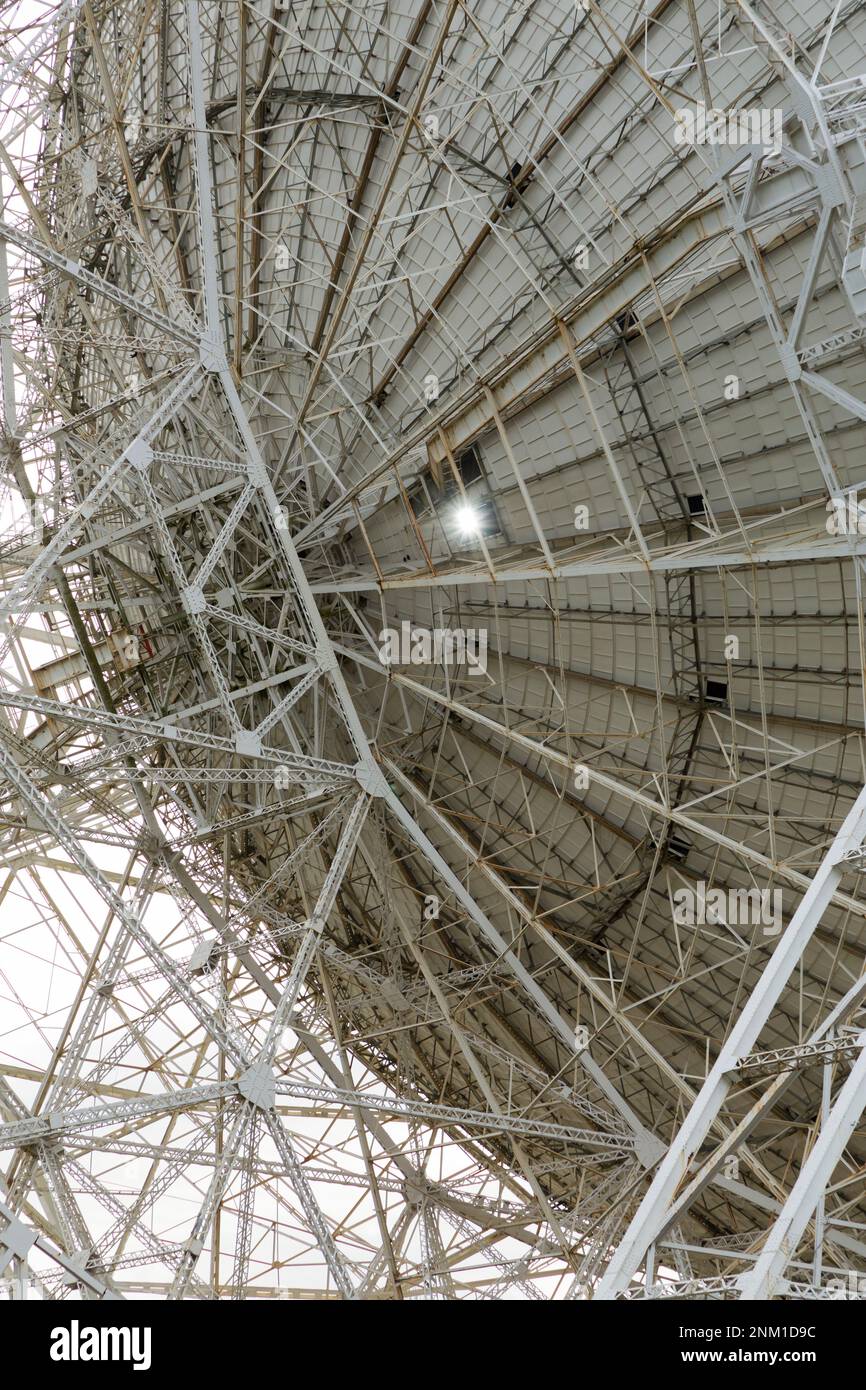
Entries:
{"x":469,"y":465}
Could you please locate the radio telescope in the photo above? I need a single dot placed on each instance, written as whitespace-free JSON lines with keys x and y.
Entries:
{"x":431,"y":715}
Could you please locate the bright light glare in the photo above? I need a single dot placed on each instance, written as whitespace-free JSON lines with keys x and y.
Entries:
{"x":468,"y":520}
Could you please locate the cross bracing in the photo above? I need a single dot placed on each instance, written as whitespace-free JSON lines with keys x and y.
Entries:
{"x":340,"y":959}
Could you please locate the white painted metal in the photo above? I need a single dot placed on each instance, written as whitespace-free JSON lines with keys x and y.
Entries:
{"x":328,"y":327}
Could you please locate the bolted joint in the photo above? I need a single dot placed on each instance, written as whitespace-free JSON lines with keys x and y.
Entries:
{"x":193,"y":599}
{"x":416,"y":1190}
{"x":205,"y":957}
{"x":72,"y":1277}
{"x":212,"y":355}
{"x":257,"y":474}
{"x":790,"y":363}
{"x":649,"y":1149}
{"x":16,"y":1238}
{"x":248,"y":743}
{"x":140,"y":455}
{"x":370,"y":777}
{"x":256,"y":1085}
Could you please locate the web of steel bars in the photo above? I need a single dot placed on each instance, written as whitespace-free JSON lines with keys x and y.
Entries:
{"x":360,"y":986}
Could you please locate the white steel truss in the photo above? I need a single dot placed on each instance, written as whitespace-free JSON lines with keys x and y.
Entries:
{"x":432,"y":714}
